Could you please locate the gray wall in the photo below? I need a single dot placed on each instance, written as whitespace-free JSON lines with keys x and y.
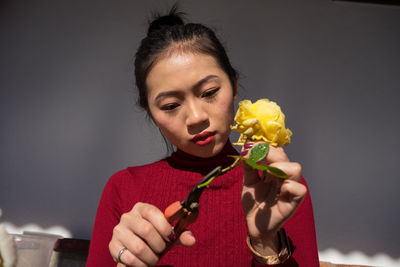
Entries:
{"x":69,"y":121}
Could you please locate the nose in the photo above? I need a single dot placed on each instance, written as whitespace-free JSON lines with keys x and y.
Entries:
{"x":196,"y":115}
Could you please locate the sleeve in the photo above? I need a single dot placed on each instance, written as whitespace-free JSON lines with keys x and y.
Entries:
{"x":107,"y":217}
{"x":300,"y":229}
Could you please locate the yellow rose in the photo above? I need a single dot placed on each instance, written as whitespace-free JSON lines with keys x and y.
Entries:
{"x":261,"y":121}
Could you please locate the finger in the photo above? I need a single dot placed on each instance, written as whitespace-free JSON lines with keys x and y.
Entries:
{"x":291,"y":195}
{"x":157,"y":219}
{"x":292,"y":169}
{"x":276,"y":154}
{"x":140,"y":251}
{"x":146,"y":231}
{"x":127,"y":258}
{"x":292,"y":192}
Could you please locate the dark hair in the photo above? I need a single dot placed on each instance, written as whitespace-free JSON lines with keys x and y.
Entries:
{"x":169,"y":33}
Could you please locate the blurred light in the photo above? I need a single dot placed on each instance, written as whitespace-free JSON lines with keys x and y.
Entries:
{"x":358,"y":258}
{"x":32,"y":227}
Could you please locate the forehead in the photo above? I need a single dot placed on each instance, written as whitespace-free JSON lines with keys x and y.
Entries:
{"x":181,"y":70}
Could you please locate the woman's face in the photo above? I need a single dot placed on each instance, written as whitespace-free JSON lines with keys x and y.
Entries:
{"x":191,"y":100}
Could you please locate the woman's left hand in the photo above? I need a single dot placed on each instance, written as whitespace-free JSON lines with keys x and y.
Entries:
{"x":269,"y":201}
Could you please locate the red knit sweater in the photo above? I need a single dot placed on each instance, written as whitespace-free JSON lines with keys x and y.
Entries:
{"x":220,"y":229}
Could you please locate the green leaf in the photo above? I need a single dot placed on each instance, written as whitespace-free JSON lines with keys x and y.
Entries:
{"x":277,"y":172}
{"x":257,"y":166}
{"x":263,"y":167}
{"x":259,"y":152}
{"x":252,"y":164}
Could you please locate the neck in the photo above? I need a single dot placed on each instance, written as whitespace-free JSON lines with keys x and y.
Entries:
{"x":185,"y":161}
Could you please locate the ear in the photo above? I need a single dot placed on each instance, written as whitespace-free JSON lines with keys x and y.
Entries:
{"x":235,"y":90}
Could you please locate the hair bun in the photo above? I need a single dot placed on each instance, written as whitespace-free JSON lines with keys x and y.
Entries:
{"x":173,"y":18}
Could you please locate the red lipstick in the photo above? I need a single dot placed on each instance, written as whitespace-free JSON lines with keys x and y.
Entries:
{"x":204,"y":138}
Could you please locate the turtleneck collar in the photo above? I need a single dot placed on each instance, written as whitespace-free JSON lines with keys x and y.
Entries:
{"x":185,"y":161}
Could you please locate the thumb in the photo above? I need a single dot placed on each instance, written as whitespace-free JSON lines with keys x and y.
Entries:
{"x":187,"y":239}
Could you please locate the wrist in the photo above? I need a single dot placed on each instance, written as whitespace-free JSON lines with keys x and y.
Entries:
{"x":268,"y":245}
{"x":284,"y":247}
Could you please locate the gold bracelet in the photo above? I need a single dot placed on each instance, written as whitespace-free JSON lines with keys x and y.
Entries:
{"x":285,"y":250}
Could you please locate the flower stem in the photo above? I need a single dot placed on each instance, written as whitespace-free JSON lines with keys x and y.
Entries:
{"x":230,"y":167}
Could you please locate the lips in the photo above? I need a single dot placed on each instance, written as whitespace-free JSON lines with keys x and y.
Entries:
{"x":203,"y":138}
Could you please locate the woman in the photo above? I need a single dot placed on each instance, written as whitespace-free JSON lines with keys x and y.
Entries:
{"x":188,"y":86}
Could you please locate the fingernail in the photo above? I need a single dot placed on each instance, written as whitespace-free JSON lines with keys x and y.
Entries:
{"x":172,"y":236}
{"x":248,"y":145}
{"x":244,"y":153}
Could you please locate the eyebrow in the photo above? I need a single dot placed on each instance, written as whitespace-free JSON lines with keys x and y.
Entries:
{"x":196,"y":85}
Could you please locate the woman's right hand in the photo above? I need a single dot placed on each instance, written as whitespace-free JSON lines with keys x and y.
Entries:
{"x":145,"y":232}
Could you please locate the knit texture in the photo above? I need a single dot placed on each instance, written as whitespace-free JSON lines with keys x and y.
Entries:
{"x":220,"y":229}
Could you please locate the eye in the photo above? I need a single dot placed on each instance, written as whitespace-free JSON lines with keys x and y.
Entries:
{"x":169,"y":107}
{"x":210,"y":93}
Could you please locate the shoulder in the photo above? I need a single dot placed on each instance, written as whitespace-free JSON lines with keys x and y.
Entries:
{"x":134,"y":177}
{"x":129,"y":185}
{"x":155,"y":166}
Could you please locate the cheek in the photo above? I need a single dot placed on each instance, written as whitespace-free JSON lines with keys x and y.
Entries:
{"x":165,"y":127}
{"x":226,"y":110}
{"x":170,"y":129}
{"x":158,"y":118}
